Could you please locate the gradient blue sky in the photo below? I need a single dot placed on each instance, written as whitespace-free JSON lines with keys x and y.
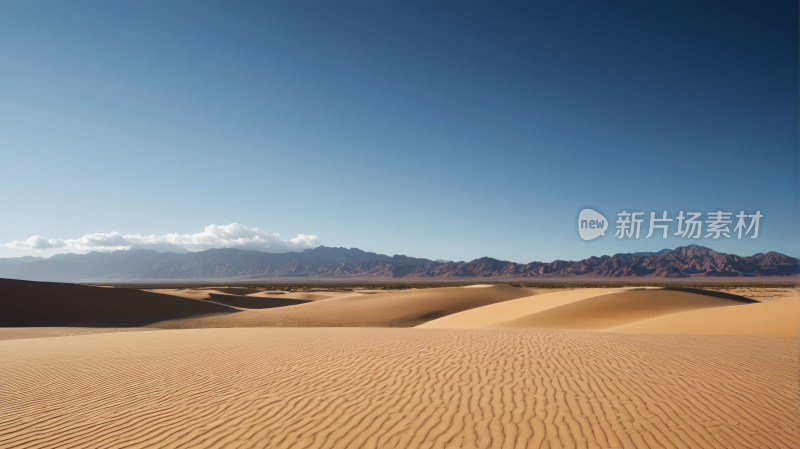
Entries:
{"x":435,"y":129}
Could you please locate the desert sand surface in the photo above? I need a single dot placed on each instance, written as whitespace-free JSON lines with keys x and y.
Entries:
{"x":19,"y":333}
{"x":486,"y":367}
{"x":399,"y":388}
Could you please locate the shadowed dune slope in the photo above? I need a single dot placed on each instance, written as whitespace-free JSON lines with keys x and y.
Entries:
{"x":714,"y":293}
{"x":586,"y":309}
{"x":260,"y":302}
{"x":779,"y":318}
{"x":237,"y":291}
{"x":399,"y":389}
{"x":405,"y":308}
{"x":28,"y":303}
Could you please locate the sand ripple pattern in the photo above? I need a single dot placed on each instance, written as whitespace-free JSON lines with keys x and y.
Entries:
{"x":399,"y":388}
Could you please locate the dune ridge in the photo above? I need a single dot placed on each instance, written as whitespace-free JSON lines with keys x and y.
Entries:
{"x":399,"y":388}
{"x":641,"y":310}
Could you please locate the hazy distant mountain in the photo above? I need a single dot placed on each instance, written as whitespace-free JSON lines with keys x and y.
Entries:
{"x":14,"y":261}
{"x":340,"y":263}
{"x":160,"y":248}
{"x":147,"y":264}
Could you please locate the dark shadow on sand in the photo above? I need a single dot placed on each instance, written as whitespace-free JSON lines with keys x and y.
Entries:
{"x":44,"y":304}
{"x":258,"y":302}
{"x":714,"y":293}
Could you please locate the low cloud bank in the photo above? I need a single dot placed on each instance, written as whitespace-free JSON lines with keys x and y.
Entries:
{"x":233,"y":235}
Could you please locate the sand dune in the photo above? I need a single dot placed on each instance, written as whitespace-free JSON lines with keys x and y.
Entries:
{"x":305,"y":296}
{"x":250,"y":302}
{"x":403,"y":308}
{"x":604,"y":309}
{"x":27,"y":303}
{"x":510,"y":310}
{"x":399,"y":388}
{"x":206,"y":293}
{"x":780,"y":318}
{"x":95,"y":308}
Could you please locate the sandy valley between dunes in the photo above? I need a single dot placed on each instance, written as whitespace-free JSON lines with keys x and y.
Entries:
{"x":625,"y":368}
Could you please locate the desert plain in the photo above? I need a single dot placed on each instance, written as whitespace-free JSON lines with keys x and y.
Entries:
{"x":480,"y":366}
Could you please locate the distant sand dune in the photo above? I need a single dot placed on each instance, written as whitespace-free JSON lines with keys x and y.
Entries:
{"x":103,"y":309}
{"x":399,"y":388}
{"x":206,"y":293}
{"x":250,"y":302}
{"x":404,"y":308}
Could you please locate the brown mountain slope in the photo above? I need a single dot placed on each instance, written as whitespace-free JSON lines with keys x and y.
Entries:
{"x":683,"y":262}
{"x":228,"y":263}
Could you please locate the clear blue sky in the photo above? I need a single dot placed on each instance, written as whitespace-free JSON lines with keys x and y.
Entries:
{"x":437,"y":129}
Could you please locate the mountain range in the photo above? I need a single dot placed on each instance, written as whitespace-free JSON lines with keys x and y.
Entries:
{"x":139,"y":264}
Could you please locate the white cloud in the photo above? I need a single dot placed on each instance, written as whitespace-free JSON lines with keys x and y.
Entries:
{"x":233,"y":235}
{"x":36,"y":243}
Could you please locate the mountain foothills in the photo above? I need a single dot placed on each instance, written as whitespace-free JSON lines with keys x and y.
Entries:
{"x":138,"y":264}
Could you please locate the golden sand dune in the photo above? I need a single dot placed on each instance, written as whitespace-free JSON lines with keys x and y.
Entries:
{"x":399,"y":388}
{"x":404,"y":308}
{"x":510,"y":310}
{"x":602,"y":309}
{"x":780,"y":318}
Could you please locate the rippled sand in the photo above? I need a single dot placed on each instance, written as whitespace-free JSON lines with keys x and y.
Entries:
{"x":488,"y":367}
{"x":399,"y":388}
